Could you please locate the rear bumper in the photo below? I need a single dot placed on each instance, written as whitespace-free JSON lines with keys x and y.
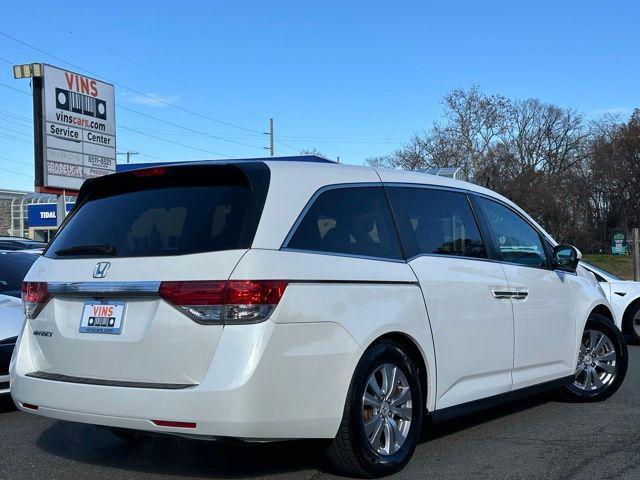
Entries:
{"x":266,"y":381}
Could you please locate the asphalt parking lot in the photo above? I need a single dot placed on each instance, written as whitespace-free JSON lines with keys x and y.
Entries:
{"x":536,"y":438}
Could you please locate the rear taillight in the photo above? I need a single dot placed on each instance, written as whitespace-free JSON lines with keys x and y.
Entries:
{"x":234,"y":301}
{"x":34,"y":297}
{"x":200,"y":300}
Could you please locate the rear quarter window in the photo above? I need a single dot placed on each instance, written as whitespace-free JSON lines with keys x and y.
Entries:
{"x":348,"y":220}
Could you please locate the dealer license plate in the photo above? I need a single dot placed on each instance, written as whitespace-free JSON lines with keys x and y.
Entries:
{"x":102,"y":317}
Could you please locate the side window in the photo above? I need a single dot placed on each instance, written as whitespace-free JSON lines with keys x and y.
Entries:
{"x":442,"y":222}
{"x":516,"y":240}
{"x":350,"y":220}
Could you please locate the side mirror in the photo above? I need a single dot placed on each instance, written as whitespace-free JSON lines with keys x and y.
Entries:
{"x":566,"y":258}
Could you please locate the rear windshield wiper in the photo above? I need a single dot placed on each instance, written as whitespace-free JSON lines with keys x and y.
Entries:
{"x":87,"y":250}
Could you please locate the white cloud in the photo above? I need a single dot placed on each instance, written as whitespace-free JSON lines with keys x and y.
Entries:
{"x":152,"y":99}
{"x":614,"y":111}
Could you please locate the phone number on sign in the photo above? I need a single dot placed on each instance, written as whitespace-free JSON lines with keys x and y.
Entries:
{"x":103,"y":162}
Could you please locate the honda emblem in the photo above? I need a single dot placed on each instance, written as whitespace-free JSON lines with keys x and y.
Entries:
{"x":101,"y":269}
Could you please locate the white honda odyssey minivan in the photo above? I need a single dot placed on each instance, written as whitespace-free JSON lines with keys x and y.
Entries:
{"x":270,"y":300}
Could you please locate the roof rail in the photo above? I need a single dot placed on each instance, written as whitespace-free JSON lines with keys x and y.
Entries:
{"x":125,"y":167}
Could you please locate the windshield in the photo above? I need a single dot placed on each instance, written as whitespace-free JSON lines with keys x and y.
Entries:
{"x":172,"y":211}
{"x":13,"y":268}
{"x":602,"y":272}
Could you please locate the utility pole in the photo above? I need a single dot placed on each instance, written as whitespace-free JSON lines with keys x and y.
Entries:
{"x":636,"y":254}
{"x":129,"y":154}
{"x":270,"y":133}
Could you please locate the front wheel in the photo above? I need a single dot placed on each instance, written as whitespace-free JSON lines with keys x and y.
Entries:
{"x":382,"y":417}
{"x":602,"y":362}
{"x":632,"y":324}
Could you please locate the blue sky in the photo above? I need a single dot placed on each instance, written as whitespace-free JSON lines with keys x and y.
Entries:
{"x":349,"y":78}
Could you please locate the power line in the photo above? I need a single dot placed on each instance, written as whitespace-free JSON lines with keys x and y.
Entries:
{"x":5,"y":129}
{"x":16,"y":89}
{"x":15,"y":139}
{"x":147,"y":96}
{"x":379,"y":142}
{"x":171,"y":141}
{"x":187,"y":128}
{"x":155,"y":99}
{"x":16,"y":161}
{"x":7,"y":112}
{"x":145,"y":134}
{"x":18,"y":122}
{"x":124,"y":57}
{"x":288,"y":146}
{"x":16,"y":173}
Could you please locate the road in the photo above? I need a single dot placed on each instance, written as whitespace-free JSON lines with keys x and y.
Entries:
{"x":536,"y":438}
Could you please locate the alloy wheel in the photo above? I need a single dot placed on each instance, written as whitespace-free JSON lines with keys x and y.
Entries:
{"x":636,"y":323}
{"x":387,"y":409}
{"x":596,"y":368}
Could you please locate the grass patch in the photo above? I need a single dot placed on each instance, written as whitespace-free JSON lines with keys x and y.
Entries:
{"x":620,"y":265}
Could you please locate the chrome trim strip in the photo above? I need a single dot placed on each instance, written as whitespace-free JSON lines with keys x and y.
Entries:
{"x":347,"y":255}
{"x":104,"y":289}
{"x":57,"y":377}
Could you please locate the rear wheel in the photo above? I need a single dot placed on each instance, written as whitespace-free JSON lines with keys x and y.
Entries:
{"x":602,"y":362}
{"x":383,"y":414}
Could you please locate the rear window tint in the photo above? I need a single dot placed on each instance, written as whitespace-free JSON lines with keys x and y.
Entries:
{"x":185,"y":210}
{"x":442,"y":222}
{"x":349,"y":220}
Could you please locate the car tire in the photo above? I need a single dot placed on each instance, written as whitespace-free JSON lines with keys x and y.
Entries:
{"x":602,"y":362}
{"x":631,"y":324}
{"x":380,"y":426}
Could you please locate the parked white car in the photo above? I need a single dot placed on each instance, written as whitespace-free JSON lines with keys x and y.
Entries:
{"x":11,"y":318}
{"x":283,"y":300}
{"x":624,"y":298}
{"x":13,"y":268}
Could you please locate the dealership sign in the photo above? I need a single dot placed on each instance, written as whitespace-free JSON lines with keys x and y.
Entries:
{"x":619,"y":242}
{"x":78,"y":129}
{"x":43,"y":214}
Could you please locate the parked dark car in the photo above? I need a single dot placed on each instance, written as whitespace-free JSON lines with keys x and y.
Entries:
{"x":20,"y":243}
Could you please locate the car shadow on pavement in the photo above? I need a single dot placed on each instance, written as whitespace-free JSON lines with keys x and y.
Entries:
{"x":194,"y":458}
{"x":434,"y":431}
{"x":171,"y":455}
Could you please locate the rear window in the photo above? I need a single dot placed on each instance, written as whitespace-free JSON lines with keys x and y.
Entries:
{"x":173,"y":211}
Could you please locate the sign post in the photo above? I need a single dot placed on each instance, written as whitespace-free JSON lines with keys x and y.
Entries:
{"x":636,"y":254}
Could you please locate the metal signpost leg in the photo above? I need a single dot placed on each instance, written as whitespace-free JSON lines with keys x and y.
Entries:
{"x":60,"y":210}
{"x":636,"y":255}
